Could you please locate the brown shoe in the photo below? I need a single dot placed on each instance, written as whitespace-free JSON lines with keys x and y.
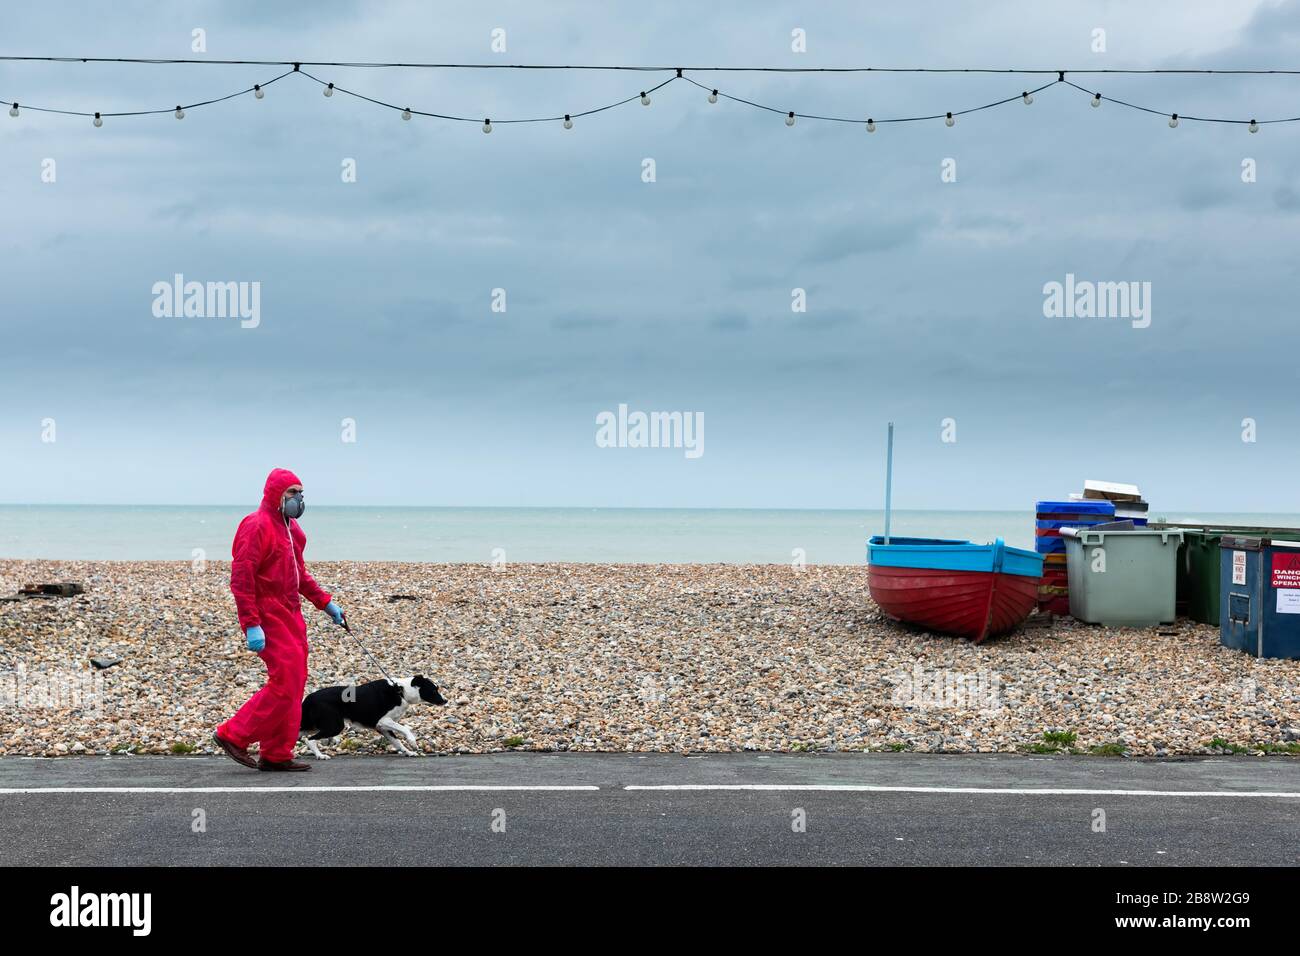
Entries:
{"x":280,"y":765}
{"x":237,"y":754}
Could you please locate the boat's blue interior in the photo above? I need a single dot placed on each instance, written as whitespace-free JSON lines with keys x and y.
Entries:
{"x":944,"y":554}
{"x":894,"y":539}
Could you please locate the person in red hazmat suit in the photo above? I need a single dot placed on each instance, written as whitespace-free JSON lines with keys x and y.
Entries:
{"x":268,"y":577}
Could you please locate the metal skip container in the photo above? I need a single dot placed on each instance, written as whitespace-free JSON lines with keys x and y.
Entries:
{"x":1259,"y":604}
{"x":1122,"y":576}
{"x":1199,"y":571}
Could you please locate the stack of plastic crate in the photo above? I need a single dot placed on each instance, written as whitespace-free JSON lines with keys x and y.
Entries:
{"x":1051,"y":517}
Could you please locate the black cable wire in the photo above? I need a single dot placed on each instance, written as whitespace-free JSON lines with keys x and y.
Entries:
{"x":643,"y":69}
{"x":479,"y":119}
{"x":170,"y":109}
{"x":1181,"y":116}
{"x":897,"y":119}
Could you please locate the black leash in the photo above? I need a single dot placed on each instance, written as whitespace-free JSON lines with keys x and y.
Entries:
{"x":347,"y":628}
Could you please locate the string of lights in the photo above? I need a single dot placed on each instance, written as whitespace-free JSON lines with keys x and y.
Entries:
{"x":949,"y":117}
{"x":566,"y":118}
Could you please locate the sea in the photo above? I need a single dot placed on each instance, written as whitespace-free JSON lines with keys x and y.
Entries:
{"x":487,"y":535}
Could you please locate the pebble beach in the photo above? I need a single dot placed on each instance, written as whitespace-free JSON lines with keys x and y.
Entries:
{"x":590,"y":657}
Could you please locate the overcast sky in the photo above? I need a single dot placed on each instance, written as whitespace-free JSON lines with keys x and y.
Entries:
{"x":924,"y":297}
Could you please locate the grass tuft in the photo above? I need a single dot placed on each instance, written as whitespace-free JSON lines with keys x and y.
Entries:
{"x":1064,"y":737}
{"x":1292,"y":747}
{"x":1037,"y":748}
{"x":1218,"y":743}
{"x":1116,"y":749}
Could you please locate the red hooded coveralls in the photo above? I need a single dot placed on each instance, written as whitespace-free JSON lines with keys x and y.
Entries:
{"x":267,"y":577}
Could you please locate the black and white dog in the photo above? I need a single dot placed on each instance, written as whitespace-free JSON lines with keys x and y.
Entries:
{"x":376,"y":705}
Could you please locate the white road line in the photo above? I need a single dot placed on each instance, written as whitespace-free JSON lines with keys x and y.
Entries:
{"x":1025,"y":791}
{"x":679,"y":787}
{"x":302,"y":789}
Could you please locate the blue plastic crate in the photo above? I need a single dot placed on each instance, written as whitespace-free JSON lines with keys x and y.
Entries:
{"x":1074,"y":523}
{"x":1088,"y":507}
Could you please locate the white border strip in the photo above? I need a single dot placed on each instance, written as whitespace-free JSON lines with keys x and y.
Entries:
{"x":1025,"y":791}
{"x":301,"y":789}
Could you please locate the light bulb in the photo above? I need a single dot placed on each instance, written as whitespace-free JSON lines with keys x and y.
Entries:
{"x":1096,"y":99}
{"x":406,"y":113}
{"x":789,"y":119}
{"x":713,"y":97}
{"x":98,"y":120}
{"x":645,"y":100}
{"x":329,"y":90}
{"x":258,"y":91}
{"x":568,"y":122}
{"x":1253,"y":127}
{"x":1027,"y":97}
{"x":13,"y":110}
{"x":487,"y":126}
{"x":950,"y":120}
{"x":180,"y":113}
{"x":871,"y":126}
{"x":1173,"y":121}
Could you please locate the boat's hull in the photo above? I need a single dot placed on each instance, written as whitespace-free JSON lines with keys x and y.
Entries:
{"x":973,"y":604}
{"x":954,"y":587}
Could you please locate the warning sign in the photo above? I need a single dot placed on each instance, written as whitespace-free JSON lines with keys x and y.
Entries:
{"x":1286,"y":569}
{"x":1239,"y":567}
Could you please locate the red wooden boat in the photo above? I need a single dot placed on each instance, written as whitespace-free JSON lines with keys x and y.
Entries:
{"x":954,"y":587}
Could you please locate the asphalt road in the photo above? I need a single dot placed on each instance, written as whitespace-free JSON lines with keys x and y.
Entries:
{"x":587,"y":809}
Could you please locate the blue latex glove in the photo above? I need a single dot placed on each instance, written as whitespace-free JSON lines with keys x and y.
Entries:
{"x":255,"y":637}
{"x":335,"y":612}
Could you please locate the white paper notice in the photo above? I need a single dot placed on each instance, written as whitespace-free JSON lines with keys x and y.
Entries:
{"x":1239,"y":567}
{"x":1288,"y":600}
